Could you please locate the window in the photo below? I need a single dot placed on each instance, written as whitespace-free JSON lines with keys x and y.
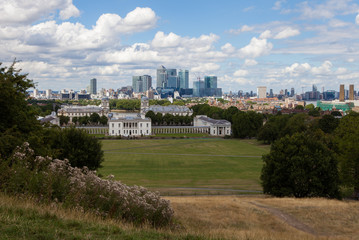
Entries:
{"x":141,"y":131}
{"x":113,"y":125}
{"x":113,"y":131}
{"x":140,"y":124}
{"x":119,"y":125}
{"x":119,"y":131}
{"x":147,"y":131}
{"x":147,"y":126}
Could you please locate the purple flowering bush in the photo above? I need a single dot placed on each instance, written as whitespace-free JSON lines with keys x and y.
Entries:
{"x":54,"y":180}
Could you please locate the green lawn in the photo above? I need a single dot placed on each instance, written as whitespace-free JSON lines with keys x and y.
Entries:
{"x":169,"y":164}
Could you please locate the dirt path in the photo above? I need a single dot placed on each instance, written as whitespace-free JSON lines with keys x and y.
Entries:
{"x":289,"y":219}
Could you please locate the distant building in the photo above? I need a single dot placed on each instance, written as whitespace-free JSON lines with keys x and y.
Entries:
{"x":335,"y":105}
{"x":183,"y":78}
{"x":35,"y":93}
{"x":216,"y":127}
{"x":341,"y":93}
{"x":130,"y":126}
{"x":262,"y":92}
{"x":351,"y":92}
{"x":141,"y":83}
{"x":93,"y":86}
{"x":162,"y":77}
{"x":198,"y":88}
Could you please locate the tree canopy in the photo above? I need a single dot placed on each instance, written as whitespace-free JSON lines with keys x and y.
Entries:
{"x":301,"y":165}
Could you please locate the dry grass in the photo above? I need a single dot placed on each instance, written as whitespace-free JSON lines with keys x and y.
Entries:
{"x":237,"y":218}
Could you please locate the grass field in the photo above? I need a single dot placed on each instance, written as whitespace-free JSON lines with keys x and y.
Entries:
{"x":197,"y":218}
{"x":186,"y":166}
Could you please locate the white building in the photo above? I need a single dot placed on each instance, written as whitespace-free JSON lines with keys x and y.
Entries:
{"x":130,"y":126}
{"x":48,"y":93}
{"x":216,"y":127}
{"x":262,"y":92}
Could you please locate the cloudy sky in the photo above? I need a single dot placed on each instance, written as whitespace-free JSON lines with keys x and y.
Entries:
{"x":278,"y":44}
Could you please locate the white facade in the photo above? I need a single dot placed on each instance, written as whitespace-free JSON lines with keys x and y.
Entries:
{"x":261,"y":92}
{"x":216,"y":127}
{"x":128,"y":127}
{"x":48,"y":93}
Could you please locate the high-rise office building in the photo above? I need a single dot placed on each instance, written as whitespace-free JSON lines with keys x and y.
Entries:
{"x":172,"y":79}
{"x":271,"y":93}
{"x":341,"y":93}
{"x":141,"y":83}
{"x":351,"y":92}
{"x":183,"y":78}
{"x":137,"y":84}
{"x":261,"y":92}
{"x":93,"y":86}
{"x":198,"y":88}
{"x":162,"y":77}
{"x":48,"y":93}
{"x":292,"y":92}
{"x":210,"y":81}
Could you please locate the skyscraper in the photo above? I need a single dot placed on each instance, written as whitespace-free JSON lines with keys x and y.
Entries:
{"x":183,"y":78}
{"x":351,"y":92}
{"x":292,"y":92}
{"x":162,"y":77}
{"x":210,"y":81}
{"x":341,"y":93}
{"x":93,"y":86}
{"x":141,"y":83}
{"x":198,"y":88}
{"x":261,"y":92}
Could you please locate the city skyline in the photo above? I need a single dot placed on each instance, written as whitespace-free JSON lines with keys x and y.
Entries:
{"x":63,"y":44}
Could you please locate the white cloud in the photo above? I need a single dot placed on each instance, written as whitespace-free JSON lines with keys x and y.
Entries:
{"x":26,"y":12}
{"x":244,"y":28}
{"x":297,"y":69}
{"x":357,"y":19}
{"x":250,"y":62}
{"x":164,"y":41}
{"x":266,"y":34}
{"x":338,"y":23}
{"x":240,"y":73}
{"x":206,"y":68}
{"x":350,"y":60}
{"x":286,"y":33}
{"x":341,"y":71}
{"x":228,"y":48}
{"x":324,"y":69}
{"x":278,"y":4}
{"x":256,"y":47}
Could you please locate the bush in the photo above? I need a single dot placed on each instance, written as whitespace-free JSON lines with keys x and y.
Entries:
{"x":55,"y":180}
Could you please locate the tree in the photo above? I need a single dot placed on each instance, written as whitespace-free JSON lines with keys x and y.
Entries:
{"x":103,"y":120}
{"x":94,"y":118}
{"x":246,"y":124}
{"x":77,"y":146}
{"x":18,"y":121}
{"x":301,"y":165}
{"x":84,"y":120}
{"x":64,"y":120}
{"x":347,"y":138}
{"x":310,"y":106}
{"x":299,"y":107}
{"x":75,"y":120}
{"x":328,"y":123}
{"x":230,"y":112}
{"x":152,"y":116}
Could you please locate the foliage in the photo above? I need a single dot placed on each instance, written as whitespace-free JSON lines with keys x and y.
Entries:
{"x":94,"y":118}
{"x":125,"y":104}
{"x":246,"y":124}
{"x":17,"y":119}
{"x":168,"y":119}
{"x":299,"y":107}
{"x":328,"y":123}
{"x":80,"y":148}
{"x":301,"y":165}
{"x":347,"y":138}
{"x":64,"y":120}
{"x":51,"y":180}
{"x":103,"y":120}
{"x":310,"y":106}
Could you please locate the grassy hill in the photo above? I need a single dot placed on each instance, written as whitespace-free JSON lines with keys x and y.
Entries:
{"x":225,"y":217}
{"x":169,"y":164}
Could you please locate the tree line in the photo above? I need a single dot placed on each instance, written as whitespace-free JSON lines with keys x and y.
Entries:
{"x":168,"y":119}
{"x":93,"y":119}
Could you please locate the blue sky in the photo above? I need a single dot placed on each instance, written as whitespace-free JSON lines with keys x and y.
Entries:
{"x":62,"y":44}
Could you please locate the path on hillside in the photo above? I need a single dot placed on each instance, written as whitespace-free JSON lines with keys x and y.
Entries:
{"x":289,"y":219}
{"x":187,"y":154}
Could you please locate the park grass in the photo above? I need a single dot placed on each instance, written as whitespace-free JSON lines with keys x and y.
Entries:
{"x":167,"y":164}
{"x":196,"y":218}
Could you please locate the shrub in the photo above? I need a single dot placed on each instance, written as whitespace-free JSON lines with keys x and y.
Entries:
{"x":55,"y":180}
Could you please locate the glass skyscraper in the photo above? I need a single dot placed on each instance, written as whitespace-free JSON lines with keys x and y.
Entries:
{"x":93,"y":86}
{"x":162,"y":77}
{"x":210,"y":81}
{"x":183,"y":78}
{"x":141,"y":83}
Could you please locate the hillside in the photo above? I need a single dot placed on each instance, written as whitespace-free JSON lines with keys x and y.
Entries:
{"x":229,"y":217}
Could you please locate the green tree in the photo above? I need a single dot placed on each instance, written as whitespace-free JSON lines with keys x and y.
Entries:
{"x":103,"y":120}
{"x":17,"y":119}
{"x":246,"y":124}
{"x":94,"y":118}
{"x":75,"y":120}
{"x":159,"y":118}
{"x":64,"y":120}
{"x":77,"y":146}
{"x":230,"y":112}
{"x":347,"y":138}
{"x":299,"y":107}
{"x":328,"y":123}
{"x":152,"y":116}
{"x":310,"y":106}
{"x":84,"y":120}
{"x":301,"y":165}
